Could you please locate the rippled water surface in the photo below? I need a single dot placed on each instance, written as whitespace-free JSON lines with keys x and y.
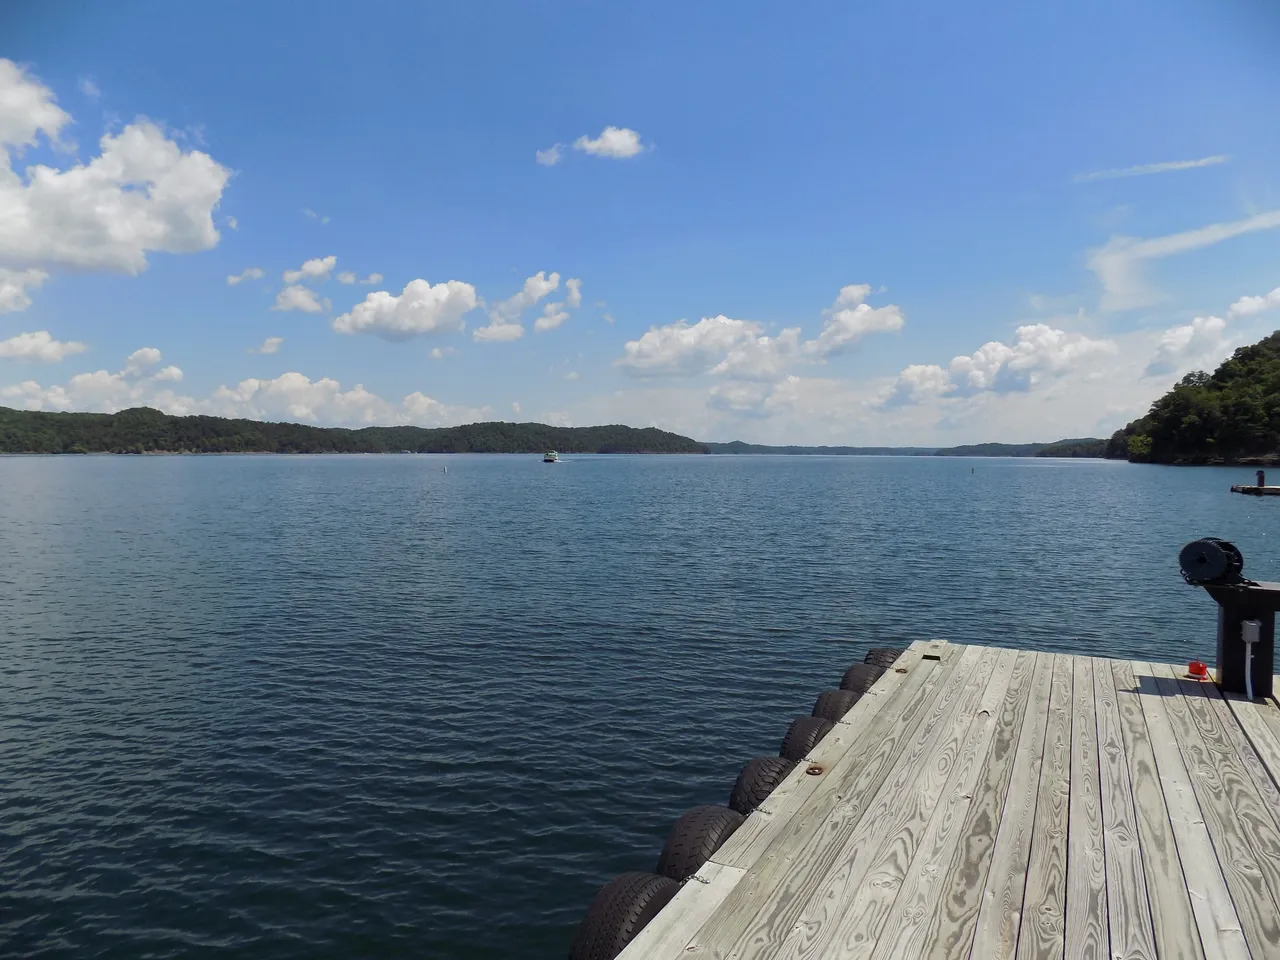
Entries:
{"x":373,"y":707}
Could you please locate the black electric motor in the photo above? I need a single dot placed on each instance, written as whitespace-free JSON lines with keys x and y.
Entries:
{"x":1211,"y":561}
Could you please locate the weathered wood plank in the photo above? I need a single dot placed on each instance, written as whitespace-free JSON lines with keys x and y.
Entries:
{"x":1042,"y":933}
{"x":1260,"y":721}
{"x":1086,"y":924}
{"x":678,"y":923}
{"x":1173,"y":925}
{"x":1215,"y":702}
{"x":764,"y":906}
{"x":1244,"y":834}
{"x":846,"y":910}
{"x":995,"y":935}
{"x":867,"y":723}
{"x":1221,"y":933}
{"x":1128,"y":911}
{"x":940,"y":895}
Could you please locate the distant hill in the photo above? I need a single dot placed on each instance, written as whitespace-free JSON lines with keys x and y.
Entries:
{"x":1229,"y":416}
{"x":144,"y":430}
{"x":738,"y":447}
{"x":1062,"y":448}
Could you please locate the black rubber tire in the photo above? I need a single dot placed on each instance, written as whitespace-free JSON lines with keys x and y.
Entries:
{"x":883,"y":656}
{"x":802,"y":736}
{"x":695,"y":837}
{"x":620,"y":911}
{"x":834,"y":704}
{"x":757,"y":780}
{"x":860,"y":677}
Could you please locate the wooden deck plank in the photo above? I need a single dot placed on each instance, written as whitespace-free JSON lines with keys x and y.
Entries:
{"x":1244,"y":835}
{"x":1260,"y":720}
{"x":846,"y":909}
{"x":992,"y":804}
{"x":995,"y":935}
{"x":1214,"y":700}
{"x":1128,"y":910}
{"x":679,"y":921}
{"x":1221,"y":933}
{"x":939,"y":899}
{"x":864,"y":723}
{"x":762,"y":910}
{"x":1041,"y":934}
{"x":1086,"y":920}
{"x":1173,"y":925}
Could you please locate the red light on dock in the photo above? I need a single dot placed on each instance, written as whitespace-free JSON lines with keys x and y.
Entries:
{"x":1197,"y":670}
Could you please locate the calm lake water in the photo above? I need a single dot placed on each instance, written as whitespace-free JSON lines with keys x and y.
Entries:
{"x":364,"y":707}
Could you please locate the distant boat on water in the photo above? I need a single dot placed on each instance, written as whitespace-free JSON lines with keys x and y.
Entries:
{"x":550,"y":457}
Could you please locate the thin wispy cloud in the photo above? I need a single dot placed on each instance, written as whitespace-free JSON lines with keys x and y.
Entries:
{"x":1118,"y":263}
{"x":1146,"y":169}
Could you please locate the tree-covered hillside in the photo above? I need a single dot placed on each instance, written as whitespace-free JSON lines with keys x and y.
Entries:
{"x":1231,"y":416}
{"x":144,"y":430}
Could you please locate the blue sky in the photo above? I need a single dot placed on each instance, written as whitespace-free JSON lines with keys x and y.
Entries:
{"x":867,"y":223}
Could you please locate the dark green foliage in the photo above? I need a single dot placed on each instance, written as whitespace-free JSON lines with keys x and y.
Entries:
{"x":1084,"y":447}
{"x":1229,"y":416}
{"x":993,"y":450}
{"x":143,"y":430}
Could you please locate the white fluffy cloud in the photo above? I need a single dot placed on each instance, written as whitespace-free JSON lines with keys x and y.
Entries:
{"x":141,"y":194}
{"x":617,"y":143}
{"x":1246,"y":306}
{"x":27,"y":108}
{"x":850,"y":319}
{"x":419,"y":309}
{"x":14,"y":285}
{"x":1202,"y":342}
{"x":550,"y":156}
{"x":315,"y":269}
{"x":248,"y":273}
{"x":297,"y":297}
{"x":269,"y":345}
{"x":740,"y":349}
{"x":39,"y":347}
{"x":504,"y":317}
{"x":555,"y":314}
{"x":101,"y":391}
{"x":348,"y":277}
{"x":1039,"y":352}
{"x":682,"y":348}
{"x":1118,"y":264}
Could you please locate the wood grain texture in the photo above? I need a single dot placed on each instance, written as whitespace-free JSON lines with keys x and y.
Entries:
{"x":1243,"y":832}
{"x":1173,"y":926}
{"x":1041,"y":935}
{"x":677,"y":924}
{"x":1128,"y":911}
{"x":1221,"y":933}
{"x":1086,"y":919}
{"x":764,"y":907}
{"x":792,"y":804}
{"x":995,"y":935}
{"x":1260,"y":721}
{"x":846,"y":910}
{"x":940,"y":894}
{"x":1237,"y":738}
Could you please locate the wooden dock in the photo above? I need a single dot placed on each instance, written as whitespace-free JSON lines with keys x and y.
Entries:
{"x":987,"y":803}
{"x":1255,"y":490}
